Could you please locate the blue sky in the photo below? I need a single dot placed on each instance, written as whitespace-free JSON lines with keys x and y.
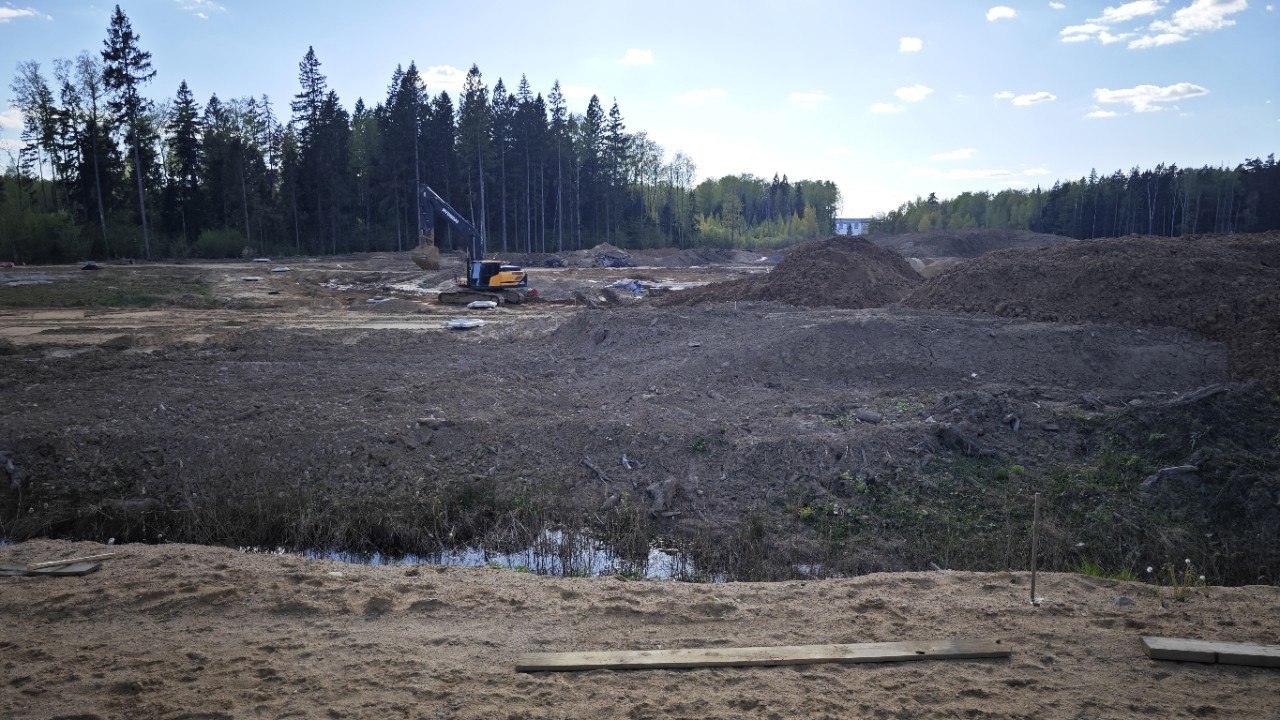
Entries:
{"x":888,"y":99}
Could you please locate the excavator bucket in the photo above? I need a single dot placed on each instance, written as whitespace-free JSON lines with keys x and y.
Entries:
{"x":426,"y":255}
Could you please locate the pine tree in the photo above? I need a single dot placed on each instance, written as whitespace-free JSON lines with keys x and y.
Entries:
{"x":126,"y":68}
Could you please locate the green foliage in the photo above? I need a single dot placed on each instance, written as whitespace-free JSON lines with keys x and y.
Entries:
{"x":219,"y":244}
{"x":1182,"y":579}
{"x":1166,"y":200}
{"x":1093,"y":569}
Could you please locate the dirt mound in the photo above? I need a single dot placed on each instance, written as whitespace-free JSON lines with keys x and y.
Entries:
{"x":965,"y":243}
{"x":844,"y":272}
{"x":1224,"y":287}
{"x":699,"y":256}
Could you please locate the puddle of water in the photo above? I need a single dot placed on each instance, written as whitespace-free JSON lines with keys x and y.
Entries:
{"x":554,"y":554}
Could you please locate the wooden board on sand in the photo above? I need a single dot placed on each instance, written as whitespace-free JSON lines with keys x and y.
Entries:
{"x":1206,"y":651}
{"x":761,"y":656}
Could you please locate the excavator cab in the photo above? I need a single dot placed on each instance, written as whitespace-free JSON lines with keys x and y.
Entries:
{"x":493,"y":274}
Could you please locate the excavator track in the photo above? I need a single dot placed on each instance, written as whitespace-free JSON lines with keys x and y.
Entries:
{"x":465,"y":297}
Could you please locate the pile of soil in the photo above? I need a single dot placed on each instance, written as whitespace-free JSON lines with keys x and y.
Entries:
{"x":697,"y":256}
{"x":1224,"y":287}
{"x":964,"y":243}
{"x":170,"y":631}
{"x":843,"y":272}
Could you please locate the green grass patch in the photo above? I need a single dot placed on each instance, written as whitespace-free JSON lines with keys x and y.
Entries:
{"x":1093,"y":569}
{"x":111,"y":287}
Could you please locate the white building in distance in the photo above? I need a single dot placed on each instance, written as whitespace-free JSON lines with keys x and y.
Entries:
{"x":852,"y":226}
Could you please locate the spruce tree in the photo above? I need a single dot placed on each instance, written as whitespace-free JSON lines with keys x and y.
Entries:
{"x":184,"y":143}
{"x":126,"y":68}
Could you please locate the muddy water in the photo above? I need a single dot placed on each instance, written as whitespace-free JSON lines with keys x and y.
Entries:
{"x":555,"y":553}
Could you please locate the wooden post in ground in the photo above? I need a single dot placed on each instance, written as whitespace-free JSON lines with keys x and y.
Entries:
{"x":1035,"y":537}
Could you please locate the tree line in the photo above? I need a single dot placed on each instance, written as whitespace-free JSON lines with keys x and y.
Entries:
{"x":103,"y":171}
{"x":1166,"y":200}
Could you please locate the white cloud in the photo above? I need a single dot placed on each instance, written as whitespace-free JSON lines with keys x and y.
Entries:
{"x":11,"y":119}
{"x":8,"y":13}
{"x":200,"y":8}
{"x":636,"y":56}
{"x":7,"y":144}
{"x":1201,"y":16}
{"x":808,"y":100}
{"x":1034,"y":98}
{"x":1098,"y":113}
{"x":698,"y":96}
{"x":1026,"y":99}
{"x":910,"y":44}
{"x":444,"y":77}
{"x":882,"y":107}
{"x":1148,"y":98}
{"x":1001,"y":12}
{"x":915,"y":93}
{"x":1150,"y":41}
{"x":1128,"y":11}
{"x":577,"y":93}
{"x":1091,"y":31}
{"x":961,"y":154}
{"x":1271,"y":8}
{"x":1057,"y":6}
{"x":1036,"y":172}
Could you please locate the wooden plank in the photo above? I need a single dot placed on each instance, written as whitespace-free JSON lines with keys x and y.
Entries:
{"x":69,"y":561}
{"x":80,"y":568}
{"x":762,"y":656}
{"x":1208,"y":651}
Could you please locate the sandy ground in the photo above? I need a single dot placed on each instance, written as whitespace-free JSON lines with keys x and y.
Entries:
{"x":182,"y":631}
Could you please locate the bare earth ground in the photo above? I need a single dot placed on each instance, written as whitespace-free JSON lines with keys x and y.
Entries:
{"x":764,"y":440}
{"x":181,"y":631}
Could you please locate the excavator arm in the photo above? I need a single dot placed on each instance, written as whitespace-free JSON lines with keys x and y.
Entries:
{"x":430,"y":203}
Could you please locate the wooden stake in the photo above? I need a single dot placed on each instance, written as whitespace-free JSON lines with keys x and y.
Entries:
{"x":1035,"y":541}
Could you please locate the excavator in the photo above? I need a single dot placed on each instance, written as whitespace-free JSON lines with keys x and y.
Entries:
{"x":485,"y":279}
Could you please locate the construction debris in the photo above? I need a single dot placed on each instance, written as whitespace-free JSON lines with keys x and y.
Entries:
{"x":463,"y":324}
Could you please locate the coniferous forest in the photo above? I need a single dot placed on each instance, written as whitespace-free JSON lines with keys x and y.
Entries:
{"x":1167,"y":200}
{"x":105,"y":172}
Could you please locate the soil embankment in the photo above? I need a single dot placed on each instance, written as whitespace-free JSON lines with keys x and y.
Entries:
{"x":181,"y":631}
{"x":1226,"y":288}
{"x":963,"y":243}
{"x":842,"y":272}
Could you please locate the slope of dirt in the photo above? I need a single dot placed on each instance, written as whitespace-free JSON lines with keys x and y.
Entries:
{"x":1225,"y":287}
{"x":963,"y":243}
{"x":843,"y":272}
{"x":731,"y":419}
{"x":183,"y":631}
